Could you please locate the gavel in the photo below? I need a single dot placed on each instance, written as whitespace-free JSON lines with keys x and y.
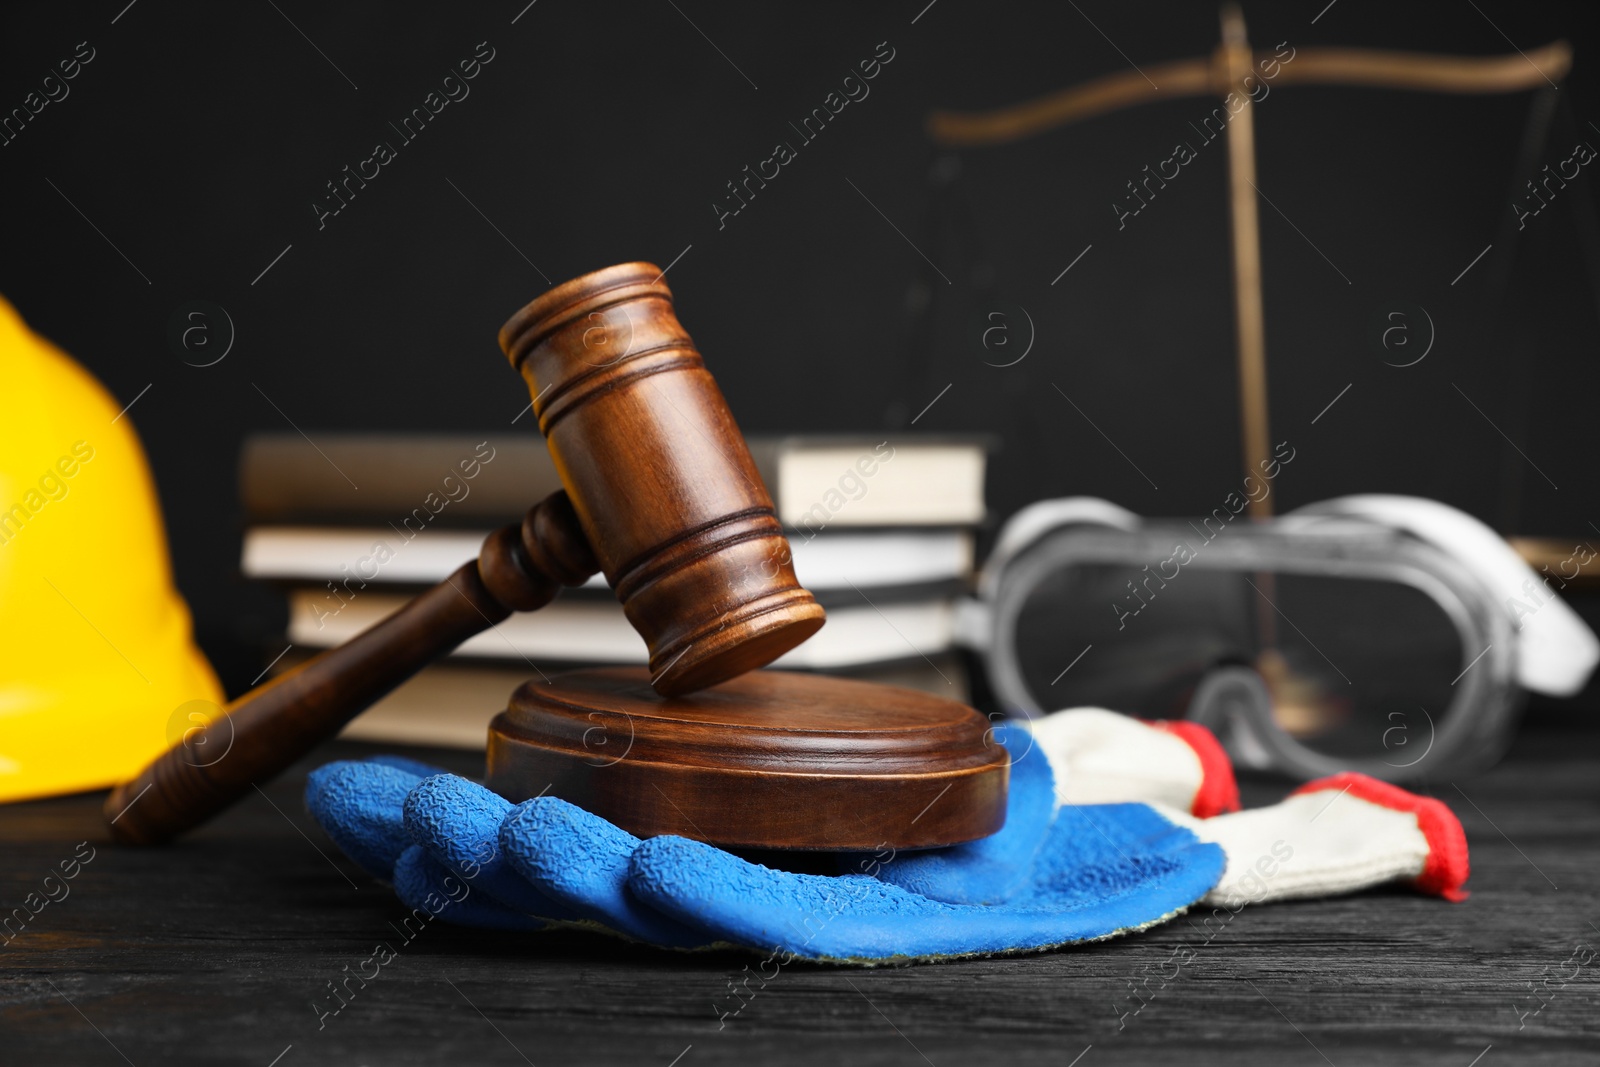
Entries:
{"x":661,"y":495}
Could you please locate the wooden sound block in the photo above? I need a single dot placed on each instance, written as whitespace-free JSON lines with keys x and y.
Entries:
{"x":770,"y":759}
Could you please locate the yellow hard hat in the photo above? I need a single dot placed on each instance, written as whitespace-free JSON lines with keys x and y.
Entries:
{"x":97,"y":665}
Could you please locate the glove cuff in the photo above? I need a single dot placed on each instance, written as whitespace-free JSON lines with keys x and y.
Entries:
{"x":1445,"y":870}
{"x":1218,"y":791}
{"x":1102,"y":757}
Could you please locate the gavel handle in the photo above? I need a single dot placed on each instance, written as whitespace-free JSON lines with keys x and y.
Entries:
{"x":272,"y":726}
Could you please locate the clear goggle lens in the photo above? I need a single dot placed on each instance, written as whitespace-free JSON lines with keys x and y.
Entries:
{"x":1355,"y":666}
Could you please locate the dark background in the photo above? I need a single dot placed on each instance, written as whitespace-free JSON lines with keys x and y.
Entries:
{"x":200,"y":135}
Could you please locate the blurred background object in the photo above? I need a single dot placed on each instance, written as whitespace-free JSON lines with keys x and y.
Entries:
{"x":198,"y":231}
{"x":881,"y":532}
{"x":1390,"y":635}
{"x":1237,"y":77}
{"x":99,"y":674}
{"x":1404,"y":601}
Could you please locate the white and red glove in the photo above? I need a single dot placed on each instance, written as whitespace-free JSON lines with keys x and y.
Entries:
{"x":1101,"y":757}
{"x":1331,"y":836}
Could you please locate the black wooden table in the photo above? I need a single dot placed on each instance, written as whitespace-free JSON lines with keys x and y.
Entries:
{"x":221,"y":949}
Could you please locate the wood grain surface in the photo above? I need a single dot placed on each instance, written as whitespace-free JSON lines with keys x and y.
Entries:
{"x":214,"y":949}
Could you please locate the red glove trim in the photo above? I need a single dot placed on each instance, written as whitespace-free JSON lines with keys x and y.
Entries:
{"x":1218,"y":792}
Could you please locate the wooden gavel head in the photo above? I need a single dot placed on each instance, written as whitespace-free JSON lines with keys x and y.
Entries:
{"x":660,"y":477}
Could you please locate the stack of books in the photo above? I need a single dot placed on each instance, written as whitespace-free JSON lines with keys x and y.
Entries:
{"x":352,"y":526}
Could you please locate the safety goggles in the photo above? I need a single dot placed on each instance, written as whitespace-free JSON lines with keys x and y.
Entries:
{"x":1352,"y":636}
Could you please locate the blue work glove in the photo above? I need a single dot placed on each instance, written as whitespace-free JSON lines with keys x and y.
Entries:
{"x":1049,"y":877}
{"x":1052,"y":876}
{"x":437,"y":838}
